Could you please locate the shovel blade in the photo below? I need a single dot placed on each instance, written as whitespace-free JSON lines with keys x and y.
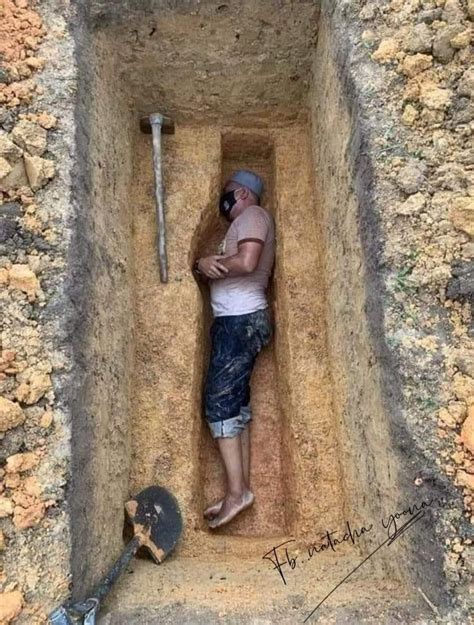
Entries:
{"x":156,"y":520}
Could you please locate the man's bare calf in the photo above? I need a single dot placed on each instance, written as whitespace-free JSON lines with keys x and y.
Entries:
{"x":236,"y":456}
{"x":212,"y":510}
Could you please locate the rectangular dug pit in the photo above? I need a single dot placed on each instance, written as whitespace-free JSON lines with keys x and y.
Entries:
{"x":247,"y":87}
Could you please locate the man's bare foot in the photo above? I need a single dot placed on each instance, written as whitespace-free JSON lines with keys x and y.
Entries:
{"x":231,"y":508}
{"x":213,"y":509}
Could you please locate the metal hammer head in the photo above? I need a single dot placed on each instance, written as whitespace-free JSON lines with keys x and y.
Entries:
{"x":166,"y":123}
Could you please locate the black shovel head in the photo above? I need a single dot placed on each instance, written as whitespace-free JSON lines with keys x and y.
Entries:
{"x":156,"y":519}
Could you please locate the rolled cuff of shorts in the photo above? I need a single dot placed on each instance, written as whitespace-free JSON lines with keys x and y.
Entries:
{"x":229,"y":428}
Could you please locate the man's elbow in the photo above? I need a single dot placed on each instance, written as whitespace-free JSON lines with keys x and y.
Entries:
{"x":249,"y":265}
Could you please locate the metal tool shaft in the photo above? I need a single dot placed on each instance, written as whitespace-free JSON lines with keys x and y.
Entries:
{"x":156,"y":122}
{"x":117,"y":569}
{"x":91,"y":606}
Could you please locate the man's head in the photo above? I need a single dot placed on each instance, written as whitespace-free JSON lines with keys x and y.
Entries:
{"x":244,"y":188}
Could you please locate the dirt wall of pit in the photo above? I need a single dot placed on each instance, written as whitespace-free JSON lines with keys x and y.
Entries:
{"x":381,"y":454}
{"x":349,"y":230}
{"x":101,"y":273}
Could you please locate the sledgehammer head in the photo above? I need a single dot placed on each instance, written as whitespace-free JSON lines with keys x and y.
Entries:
{"x":167,"y":124}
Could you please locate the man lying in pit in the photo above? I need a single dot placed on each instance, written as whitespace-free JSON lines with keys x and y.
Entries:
{"x":241,"y":326}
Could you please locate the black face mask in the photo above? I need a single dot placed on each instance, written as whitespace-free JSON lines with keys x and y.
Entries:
{"x":226,"y":204}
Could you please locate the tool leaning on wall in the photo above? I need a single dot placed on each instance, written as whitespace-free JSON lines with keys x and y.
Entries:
{"x":157,"y":525}
{"x":157,"y":123}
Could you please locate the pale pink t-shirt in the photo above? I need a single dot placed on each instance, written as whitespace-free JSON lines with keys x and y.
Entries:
{"x":244,"y":294}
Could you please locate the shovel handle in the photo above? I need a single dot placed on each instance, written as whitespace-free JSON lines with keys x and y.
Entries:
{"x":156,"y":126}
{"x":117,"y":569}
{"x":91,"y":605}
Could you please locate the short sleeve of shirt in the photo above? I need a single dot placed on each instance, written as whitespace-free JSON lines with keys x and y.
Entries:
{"x":251,"y":225}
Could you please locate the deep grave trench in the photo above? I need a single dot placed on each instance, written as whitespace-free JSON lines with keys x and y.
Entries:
{"x":265,"y":89}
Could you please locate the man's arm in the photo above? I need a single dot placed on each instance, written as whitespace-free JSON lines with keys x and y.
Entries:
{"x":251,"y":229}
{"x":240,"y":264}
{"x":246,"y":259}
{"x":208,"y":268}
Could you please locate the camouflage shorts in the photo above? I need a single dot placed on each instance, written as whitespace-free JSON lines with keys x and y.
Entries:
{"x":236,"y":342}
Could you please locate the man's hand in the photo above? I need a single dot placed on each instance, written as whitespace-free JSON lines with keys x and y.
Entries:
{"x":245,"y":261}
{"x":211,"y":267}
